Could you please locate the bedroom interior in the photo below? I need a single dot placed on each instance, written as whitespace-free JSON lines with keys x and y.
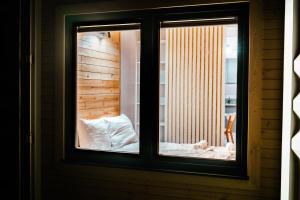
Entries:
{"x":198,"y":73}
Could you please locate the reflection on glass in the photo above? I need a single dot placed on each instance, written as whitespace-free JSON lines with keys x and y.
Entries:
{"x":198,"y":70}
{"x":108,"y":91}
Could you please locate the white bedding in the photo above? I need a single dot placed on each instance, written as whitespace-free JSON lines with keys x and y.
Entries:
{"x":116,"y":134}
{"x":180,"y":150}
{"x":188,"y":150}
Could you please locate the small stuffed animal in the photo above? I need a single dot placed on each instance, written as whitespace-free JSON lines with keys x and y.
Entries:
{"x":230,"y":147}
{"x":200,"y":145}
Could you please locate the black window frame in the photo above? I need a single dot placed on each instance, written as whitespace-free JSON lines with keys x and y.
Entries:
{"x":148,"y":157}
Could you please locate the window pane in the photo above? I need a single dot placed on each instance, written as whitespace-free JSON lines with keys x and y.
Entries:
{"x":108,"y":90}
{"x":197,"y":104}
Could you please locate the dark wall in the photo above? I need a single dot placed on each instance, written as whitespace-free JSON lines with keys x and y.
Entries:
{"x":9,"y":104}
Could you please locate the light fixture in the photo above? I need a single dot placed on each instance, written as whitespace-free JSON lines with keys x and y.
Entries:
{"x":103,"y":35}
{"x":100,"y":35}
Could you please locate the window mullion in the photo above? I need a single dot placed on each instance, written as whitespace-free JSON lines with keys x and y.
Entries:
{"x":149,"y":88}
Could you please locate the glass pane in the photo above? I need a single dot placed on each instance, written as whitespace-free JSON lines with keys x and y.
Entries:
{"x":108,"y":91}
{"x":198,"y":70}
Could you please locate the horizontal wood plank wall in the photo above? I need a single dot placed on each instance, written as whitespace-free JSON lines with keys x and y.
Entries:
{"x":98,"y":75}
{"x":63,"y":181}
{"x":272,"y":96}
{"x":195,"y":70}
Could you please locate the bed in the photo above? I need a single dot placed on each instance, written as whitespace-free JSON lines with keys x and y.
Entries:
{"x":116,"y":134}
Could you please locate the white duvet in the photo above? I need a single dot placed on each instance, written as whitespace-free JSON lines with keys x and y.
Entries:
{"x":116,"y":134}
{"x":178,"y":150}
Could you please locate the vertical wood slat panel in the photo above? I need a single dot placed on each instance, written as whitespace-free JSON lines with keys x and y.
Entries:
{"x":172,"y":88}
{"x":202,"y":75}
{"x":205,"y":83}
{"x":197,"y":42}
{"x":218,"y":82}
{"x":209,"y":87}
{"x":190,"y":52}
{"x":185,"y":103}
{"x":195,"y":84}
{"x":194,"y":87}
{"x":177,"y":83}
{"x":214,"y":88}
{"x":222,"y":89}
{"x":181,"y":120}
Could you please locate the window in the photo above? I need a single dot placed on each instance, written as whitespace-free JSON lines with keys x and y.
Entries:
{"x":161,"y":89}
{"x":193,"y":104}
{"x":108,"y":88}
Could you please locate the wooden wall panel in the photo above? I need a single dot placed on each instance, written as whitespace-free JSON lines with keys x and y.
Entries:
{"x":272,"y":97}
{"x":195,"y":68}
{"x":98,"y":75}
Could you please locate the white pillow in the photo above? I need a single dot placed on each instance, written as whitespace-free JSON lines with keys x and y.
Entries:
{"x":121,"y":131}
{"x":93,"y":134}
